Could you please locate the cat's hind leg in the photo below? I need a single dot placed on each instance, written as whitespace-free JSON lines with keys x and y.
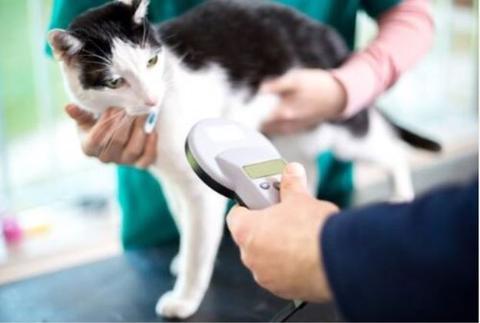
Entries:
{"x":380,"y":146}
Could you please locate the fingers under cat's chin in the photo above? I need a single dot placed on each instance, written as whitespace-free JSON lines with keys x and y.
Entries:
{"x":137,"y":112}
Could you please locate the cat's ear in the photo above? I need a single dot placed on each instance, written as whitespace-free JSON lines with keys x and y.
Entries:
{"x":64,"y":44}
{"x":140,"y":9}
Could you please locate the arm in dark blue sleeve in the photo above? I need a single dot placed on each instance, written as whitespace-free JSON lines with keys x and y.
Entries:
{"x":406,"y":262}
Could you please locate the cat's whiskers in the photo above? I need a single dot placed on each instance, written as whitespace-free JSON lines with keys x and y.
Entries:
{"x":173,"y":47}
{"x":105,"y":55}
{"x":105,"y":60}
{"x":92,"y":61}
{"x":88,"y":31}
{"x":182,"y":58}
{"x":102,"y":67}
{"x":144,"y":36}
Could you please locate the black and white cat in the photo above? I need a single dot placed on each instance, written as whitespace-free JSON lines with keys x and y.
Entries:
{"x":207,"y":63}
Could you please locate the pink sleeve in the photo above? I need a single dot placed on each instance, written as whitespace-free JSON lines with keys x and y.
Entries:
{"x":405,"y":33}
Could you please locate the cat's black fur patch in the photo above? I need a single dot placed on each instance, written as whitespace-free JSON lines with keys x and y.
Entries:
{"x":252,"y":40}
{"x":97,"y":28}
{"x":357,"y":124}
{"x":255,"y":41}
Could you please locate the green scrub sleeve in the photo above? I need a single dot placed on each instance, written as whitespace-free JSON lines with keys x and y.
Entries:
{"x":375,"y":8}
{"x":146,"y":219}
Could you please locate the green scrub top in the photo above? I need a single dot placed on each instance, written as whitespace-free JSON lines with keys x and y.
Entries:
{"x":146,"y":220}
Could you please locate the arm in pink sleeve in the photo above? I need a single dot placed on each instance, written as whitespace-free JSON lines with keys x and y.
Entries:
{"x":405,"y":33}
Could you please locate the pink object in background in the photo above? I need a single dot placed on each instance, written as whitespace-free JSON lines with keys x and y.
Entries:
{"x":405,"y":34}
{"x":11,"y":230}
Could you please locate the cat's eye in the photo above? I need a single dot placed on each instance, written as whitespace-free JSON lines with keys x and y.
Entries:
{"x":115,"y":83}
{"x":152,"y":61}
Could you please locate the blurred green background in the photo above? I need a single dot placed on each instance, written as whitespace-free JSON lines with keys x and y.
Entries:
{"x":22,"y":31}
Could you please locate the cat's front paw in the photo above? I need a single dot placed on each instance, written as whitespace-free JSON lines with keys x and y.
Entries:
{"x":172,"y":305}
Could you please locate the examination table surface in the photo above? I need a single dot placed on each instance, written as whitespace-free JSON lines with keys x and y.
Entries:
{"x":126,"y":288}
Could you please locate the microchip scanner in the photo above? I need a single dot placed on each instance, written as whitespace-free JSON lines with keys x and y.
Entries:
{"x":239,"y":163}
{"x":236,"y":161}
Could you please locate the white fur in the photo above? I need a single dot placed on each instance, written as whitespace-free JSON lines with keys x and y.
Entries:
{"x":141,"y":11}
{"x":187,"y":97}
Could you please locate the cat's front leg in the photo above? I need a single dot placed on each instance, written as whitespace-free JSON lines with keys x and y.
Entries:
{"x":201,"y":224}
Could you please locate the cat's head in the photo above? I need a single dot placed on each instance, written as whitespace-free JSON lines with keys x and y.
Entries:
{"x":110,"y":56}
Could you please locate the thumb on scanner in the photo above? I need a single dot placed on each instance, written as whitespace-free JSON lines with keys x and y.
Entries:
{"x":294,"y":181}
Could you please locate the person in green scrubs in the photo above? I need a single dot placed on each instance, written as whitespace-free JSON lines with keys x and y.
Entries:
{"x":145,"y":216}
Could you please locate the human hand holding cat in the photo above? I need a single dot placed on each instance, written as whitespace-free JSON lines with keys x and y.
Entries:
{"x":280,"y":244}
{"x":308,"y":97}
{"x":115,"y":137}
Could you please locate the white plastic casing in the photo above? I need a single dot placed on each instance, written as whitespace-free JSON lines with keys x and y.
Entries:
{"x":221,"y":148}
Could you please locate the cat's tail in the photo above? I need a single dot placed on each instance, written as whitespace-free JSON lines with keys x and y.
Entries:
{"x":413,"y":139}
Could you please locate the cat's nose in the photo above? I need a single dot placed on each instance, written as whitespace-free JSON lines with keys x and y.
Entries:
{"x":151,"y":101}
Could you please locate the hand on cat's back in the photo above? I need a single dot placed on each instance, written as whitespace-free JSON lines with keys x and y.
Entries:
{"x":114,"y":137}
{"x":307,"y":98}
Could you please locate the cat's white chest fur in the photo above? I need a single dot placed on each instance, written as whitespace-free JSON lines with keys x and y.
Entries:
{"x":196,"y":95}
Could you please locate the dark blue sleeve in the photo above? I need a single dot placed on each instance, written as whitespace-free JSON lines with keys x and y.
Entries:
{"x":416,"y":261}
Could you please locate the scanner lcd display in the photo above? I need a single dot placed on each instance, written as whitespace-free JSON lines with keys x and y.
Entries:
{"x":264,"y":169}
